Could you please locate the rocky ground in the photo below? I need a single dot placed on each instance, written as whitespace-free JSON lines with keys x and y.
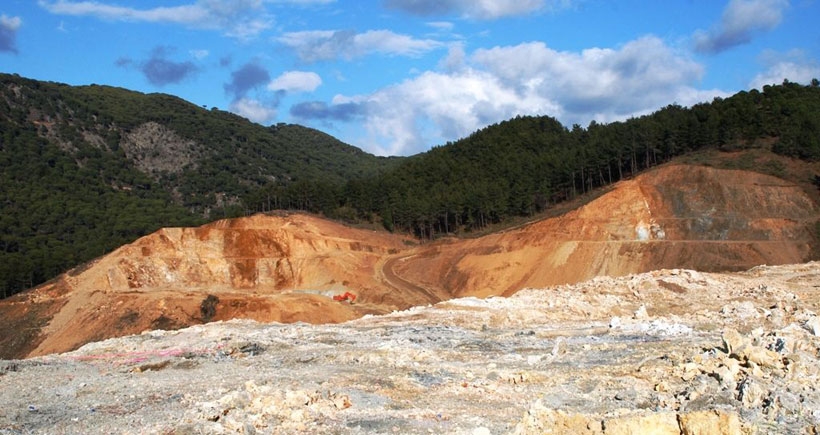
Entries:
{"x":672,"y":351}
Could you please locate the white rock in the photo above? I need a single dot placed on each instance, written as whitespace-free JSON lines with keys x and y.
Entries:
{"x":641,"y":314}
{"x":813,"y":325}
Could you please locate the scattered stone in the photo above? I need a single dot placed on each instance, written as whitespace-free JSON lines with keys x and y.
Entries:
{"x":709,"y":423}
{"x":542,"y":420}
{"x":660,"y":423}
{"x":640,"y":313}
{"x":813,"y":325}
{"x":760,"y":357}
{"x":733,"y":342}
{"x":433,"y":370}
{"x":751,"y":393}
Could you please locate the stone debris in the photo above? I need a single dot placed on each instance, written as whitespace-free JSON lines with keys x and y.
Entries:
{"x":667,"y":352}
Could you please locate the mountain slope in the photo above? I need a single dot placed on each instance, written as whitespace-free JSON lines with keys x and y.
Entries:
{"x":528,"y":164}
{"x":86,"y":169}
{"x":286,"y":268}
{"x":676,"y":216}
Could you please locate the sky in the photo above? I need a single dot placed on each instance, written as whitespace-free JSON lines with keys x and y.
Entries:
{"x":397,"y":77}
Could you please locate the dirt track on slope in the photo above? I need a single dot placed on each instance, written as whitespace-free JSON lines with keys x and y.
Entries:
{"x":401,"y":284}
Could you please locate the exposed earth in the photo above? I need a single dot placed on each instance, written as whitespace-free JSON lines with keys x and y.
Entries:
{"x":666,"y":352}
{"x":287,"y":268}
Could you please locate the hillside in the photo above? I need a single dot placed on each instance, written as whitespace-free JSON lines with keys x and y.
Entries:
{"x":84,"y":170}
{"x":286,"y":267}
{"x":527,"y":165}
{"x":87,"y":169}
{"x":677,"y":216}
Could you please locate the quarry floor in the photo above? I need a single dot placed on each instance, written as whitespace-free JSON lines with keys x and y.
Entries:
{"x":671,"y":351}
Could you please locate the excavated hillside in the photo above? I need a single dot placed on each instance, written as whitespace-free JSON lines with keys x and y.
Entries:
{"x":678,"y":216}
{"x":287,"y":268}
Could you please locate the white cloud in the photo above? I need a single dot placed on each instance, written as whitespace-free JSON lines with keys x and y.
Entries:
{"x":8,"y":33}
{"x":409,"y":117}
{"x":296,"y":81}
{"x":253,"y":110}
{"x":241,"y":19}
{"x":317,"y":45}
{"x":609,"y":82}
{"x":793,"y":66}
{"x":478,"y":9}
{"x":491,"y":85}
{"x":455,"y":59}
{"x":740,"y":21}
{"x":10,"y":23}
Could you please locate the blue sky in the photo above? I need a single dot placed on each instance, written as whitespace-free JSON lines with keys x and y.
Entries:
{"x":396,"y":77}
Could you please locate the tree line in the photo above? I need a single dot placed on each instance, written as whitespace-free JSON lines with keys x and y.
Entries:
{"x":525,"y":165}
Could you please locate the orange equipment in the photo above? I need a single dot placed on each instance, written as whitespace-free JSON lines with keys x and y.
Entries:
{"x":350,"y":297}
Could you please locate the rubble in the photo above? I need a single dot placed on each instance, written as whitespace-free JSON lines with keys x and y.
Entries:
{"x":689,"y":353}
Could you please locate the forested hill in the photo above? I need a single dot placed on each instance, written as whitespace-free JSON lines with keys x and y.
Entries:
{"x":527,"y":164}
{"x":86,"y":169}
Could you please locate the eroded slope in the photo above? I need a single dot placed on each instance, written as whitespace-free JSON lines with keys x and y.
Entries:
{"x":266,"y":268}
{"x":677,"y":216}
{"x":286,"y":268}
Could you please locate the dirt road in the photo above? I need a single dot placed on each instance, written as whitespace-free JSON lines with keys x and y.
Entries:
{"x":394,"y":280}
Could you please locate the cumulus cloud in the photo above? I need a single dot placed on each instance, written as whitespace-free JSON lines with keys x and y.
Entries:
{"x":611,"y":82}
{"x":296,"y":81}
{"x":476,"y":9}
{"x":249,"y":76}
{"x":242,"y":19}
{"x":741,"y":20}
{"x":254,"y":110}
{"x":491,"y":85}
{"x":409,"y":117}
{"x":8,"y":33}
{"x":793,"y":66}
{"x":264,"y":108}
{"x":318,"y":45}
{"x":159,"y":70}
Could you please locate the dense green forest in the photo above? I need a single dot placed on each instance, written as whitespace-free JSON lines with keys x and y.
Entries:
{"x":524,"y":165}
{"x":86,"y":169}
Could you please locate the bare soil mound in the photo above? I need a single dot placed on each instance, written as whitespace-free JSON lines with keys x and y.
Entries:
{"x":266,"y":268}
{"x":287,"y":268}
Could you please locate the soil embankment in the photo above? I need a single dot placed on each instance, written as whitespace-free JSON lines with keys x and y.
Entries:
{"x":286,"y":268}
{"x":691,"y":217}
